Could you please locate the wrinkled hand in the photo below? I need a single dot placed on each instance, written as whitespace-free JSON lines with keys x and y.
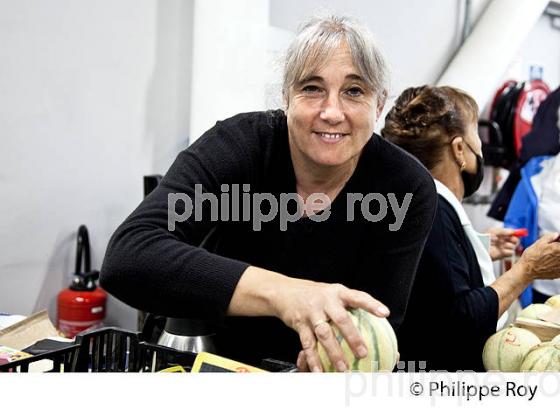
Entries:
{"x":308,"y":307}
{"x":542,"y":259}
{"x":502,"y":243}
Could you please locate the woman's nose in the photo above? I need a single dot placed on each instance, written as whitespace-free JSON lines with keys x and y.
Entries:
{"x":332,"y":110}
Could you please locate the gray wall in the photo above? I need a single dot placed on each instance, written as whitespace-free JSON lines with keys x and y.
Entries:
{"x":93,"y":95}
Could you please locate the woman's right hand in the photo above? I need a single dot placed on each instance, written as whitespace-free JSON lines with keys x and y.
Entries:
{"x":308,"y":307}
{"x":542,"y":259}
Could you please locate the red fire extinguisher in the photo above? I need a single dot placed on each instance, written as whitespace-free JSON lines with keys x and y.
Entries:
{"x":82,"y":305}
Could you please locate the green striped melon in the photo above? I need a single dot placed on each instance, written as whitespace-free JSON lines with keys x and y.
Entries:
{"x":544,"y":357}
{"x":534,"y":311}
{"x":380,"y":339}
{"x":505,"y":350}
{"x":553,"y":301}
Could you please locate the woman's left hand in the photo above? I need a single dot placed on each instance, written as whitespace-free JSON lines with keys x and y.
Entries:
{"x":502,"y":243}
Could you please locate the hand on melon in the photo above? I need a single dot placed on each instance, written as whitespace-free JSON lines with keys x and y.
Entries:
{"x":310,"y":307}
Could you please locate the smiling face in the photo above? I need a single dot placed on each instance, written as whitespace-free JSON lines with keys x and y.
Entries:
{"x":331,"y":114}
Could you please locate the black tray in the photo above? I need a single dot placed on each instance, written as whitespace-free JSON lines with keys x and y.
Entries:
{"x":117,"y":350}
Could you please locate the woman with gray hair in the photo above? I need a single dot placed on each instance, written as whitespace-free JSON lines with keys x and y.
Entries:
{"x":308,"y":240}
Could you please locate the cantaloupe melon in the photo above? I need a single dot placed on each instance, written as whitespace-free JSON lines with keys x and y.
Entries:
{"x":505,"y":350}
{"x":544,"y":357}
{"x":534,"y":311}
{"x":380,"y":340}
{"x":553,"y":301}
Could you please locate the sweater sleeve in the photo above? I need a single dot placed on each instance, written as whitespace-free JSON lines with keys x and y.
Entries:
{"x":166,"y":271}
{"x":474,"y":308}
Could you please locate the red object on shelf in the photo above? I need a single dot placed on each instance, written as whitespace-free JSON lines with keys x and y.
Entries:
{"x":82,"y":305}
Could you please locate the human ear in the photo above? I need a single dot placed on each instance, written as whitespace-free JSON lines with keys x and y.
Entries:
{"x":380,"y":104}
{"x":458,"y":149}
{"x":379,"y":110}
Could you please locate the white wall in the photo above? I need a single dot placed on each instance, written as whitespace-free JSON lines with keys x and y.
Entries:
{"x":227,"y":56}
{"x":418,"y":37}
{"x":542,"y":47}
{"x":96,"y":94}
{"x":93,"y":95}
{"x":168,"y":105}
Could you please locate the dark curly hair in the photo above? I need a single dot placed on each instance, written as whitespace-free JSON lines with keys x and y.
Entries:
{"x":426,"y":119}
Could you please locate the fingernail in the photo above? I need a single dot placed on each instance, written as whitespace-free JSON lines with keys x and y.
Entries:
{"x":362,"y":351}
{"x":341,"y":366}
{"x":316,"y":370}
{"x":383,"y":310}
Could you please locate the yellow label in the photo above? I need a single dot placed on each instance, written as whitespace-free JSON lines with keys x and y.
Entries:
{"x":174,"y":369}
{"x":208,"y":362}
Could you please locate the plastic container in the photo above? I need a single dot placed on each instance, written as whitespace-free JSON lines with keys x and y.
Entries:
{"x":58,"y":361}
{"x":116,"y":350}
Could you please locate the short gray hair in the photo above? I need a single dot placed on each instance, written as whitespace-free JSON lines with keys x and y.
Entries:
{"x":319,"y":37}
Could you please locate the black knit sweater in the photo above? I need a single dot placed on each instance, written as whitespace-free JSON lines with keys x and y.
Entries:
{"x":193,"y":271}
{"x":451,"y":313}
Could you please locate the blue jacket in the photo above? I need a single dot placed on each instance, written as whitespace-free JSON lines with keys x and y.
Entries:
{"x":523,"y":211}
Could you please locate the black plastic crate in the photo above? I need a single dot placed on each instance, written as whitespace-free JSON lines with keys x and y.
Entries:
{"x":63,"y":360}
{"x":107,"y":350}
{"x":116,"y":350}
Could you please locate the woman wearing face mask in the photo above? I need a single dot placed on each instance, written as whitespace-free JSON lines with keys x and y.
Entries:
{"x":456,"y":301}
